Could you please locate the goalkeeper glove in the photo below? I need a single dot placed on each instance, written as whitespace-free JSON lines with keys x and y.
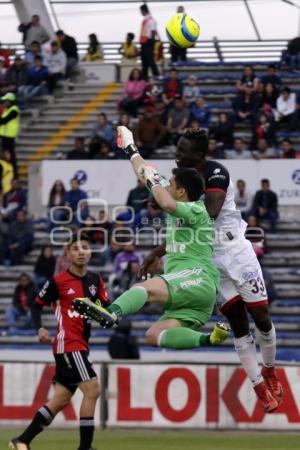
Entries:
{"x":149,"y":175}
{"x":126,"y":142}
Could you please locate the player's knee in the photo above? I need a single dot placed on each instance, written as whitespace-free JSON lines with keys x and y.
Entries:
{"x":62,"y":402}
{"x":151,"y":337}
{"x":92,"y":390}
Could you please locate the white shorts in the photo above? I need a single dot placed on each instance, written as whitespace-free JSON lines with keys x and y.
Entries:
{"x":240,"y":277}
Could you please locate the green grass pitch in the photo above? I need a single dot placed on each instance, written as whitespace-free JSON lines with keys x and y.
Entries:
{"x":162,"y":440}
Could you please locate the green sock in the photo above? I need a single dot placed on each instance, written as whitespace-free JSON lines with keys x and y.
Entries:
{"x":130,"y":302}
{"x":183,"y":338}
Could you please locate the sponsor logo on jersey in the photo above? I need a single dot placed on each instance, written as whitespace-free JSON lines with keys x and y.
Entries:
{"x":70,"y":291}
{"x":190,"y":283}
{"x":73,"y":314}
{"x":93,"y":290}
{"x":250,"y":275}
{"x":217,"y":171}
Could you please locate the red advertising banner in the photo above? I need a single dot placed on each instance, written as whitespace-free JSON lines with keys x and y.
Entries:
{"x":196,"y":396}
{"x":24,"y":388}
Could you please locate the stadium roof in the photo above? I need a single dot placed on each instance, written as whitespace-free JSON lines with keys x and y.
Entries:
{"x":112,"y":19}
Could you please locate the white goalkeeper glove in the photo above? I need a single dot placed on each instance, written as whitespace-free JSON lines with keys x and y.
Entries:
{"x":149,"y":175}
{"x":126,"y":142}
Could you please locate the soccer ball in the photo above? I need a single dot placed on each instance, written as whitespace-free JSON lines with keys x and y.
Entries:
{"x":182,"y":30}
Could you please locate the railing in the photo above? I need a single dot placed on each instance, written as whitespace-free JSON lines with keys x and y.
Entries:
{"x":212,"y":51}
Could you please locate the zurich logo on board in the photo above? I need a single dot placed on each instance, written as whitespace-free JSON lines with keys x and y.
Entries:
{"x":296,"y":176}
{"x":81,"y":176}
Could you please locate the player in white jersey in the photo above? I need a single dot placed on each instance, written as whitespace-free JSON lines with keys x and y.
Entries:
{"x":242,"y":288}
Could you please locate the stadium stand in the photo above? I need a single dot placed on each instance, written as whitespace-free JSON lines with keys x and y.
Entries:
{"x":49,"y":127}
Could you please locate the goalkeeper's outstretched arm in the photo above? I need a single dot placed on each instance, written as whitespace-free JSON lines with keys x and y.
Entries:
{"x":145,"y":172}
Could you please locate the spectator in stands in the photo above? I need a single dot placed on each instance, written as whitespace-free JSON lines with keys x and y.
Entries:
{"x":263,"y":151}
{"x":57,"y":194}
{"x":37,"y":82}
{"x":22,"y":301}
{"x":56,"y":199}
{"x":62,"y":261}
{"x":104,"y":229}
{"x":178,"y":117}
{"x":265,"y":205}
{"x":151,"y":217}
{"x":101,"y":150}
{"x":13,"y":201}
{"x":243,"y":198}
{"x":245,"y":105}
{"x":79,"y":151}
{"x":10,"y":125}
{"x":20,"y":239}
{"x":215,"y":150}
{"x":268,"y":98}
{"x":200,"y":111}
{"x":3,"y":71}
{"x":125,"y":120}
{"x":129,"y":50}
{"x":127,"y":255}
{"x":286,"y":149}
{"x":191,"y":90}
{"x":223,"y":131}
{"x":56,"y":62}
{"x":255,"y":234}
{"x":121,"y":344}
{"x":178,"y":54}
{"x":148,"y":133}
{"x":172,"y":88}
{"x":153,"y":92}
{"x":33,"y":31}
{"x":4,"y":226}
{"x":137,"y":197}
{"x":291,"y":56}
{"x":133,"y":93}
{"x":44,"y":267}
{"x":239,"y":150}
{"x":286,"y":108}
{"x":16,"y":75}
{"x":94,"y":51}
{"x":271,"y":77}
{"x":147,"y":40}
{"x":6,"y":173}
{"x":69,"y":46}
{"x":264,"y":129}
{"x":104,"y":130}
{"x":5,"y":54}
{"x":76,"y":199}
{"x":35,"y":50}
{"x":248,"y":80}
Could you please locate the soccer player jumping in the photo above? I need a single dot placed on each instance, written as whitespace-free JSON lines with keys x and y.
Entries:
{"x":188,"y":286}
{"x":242,"y":288}
{"x":70,"y":346}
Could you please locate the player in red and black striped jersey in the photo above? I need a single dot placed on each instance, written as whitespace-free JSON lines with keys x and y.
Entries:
{"x":70,"y":346}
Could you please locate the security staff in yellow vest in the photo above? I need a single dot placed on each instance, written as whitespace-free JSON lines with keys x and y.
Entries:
{"x":6,"y":172}
{"x":9,"y":124}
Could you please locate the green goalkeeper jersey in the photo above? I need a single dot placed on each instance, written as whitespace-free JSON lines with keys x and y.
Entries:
{"x":189,"y":239}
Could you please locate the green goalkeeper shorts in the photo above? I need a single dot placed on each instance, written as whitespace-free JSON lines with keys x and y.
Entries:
{"x":192,"y":296}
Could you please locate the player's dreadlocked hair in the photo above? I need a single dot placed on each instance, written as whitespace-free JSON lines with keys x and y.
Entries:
{"x":198,"y":139}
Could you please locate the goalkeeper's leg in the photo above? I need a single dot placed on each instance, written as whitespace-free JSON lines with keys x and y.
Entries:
{"x":171,"y":333}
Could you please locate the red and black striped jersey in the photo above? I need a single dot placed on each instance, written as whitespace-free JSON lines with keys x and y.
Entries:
{"x":73,"y":331}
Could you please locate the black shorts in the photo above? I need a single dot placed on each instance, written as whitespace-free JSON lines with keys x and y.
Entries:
{"x":72,"y":369}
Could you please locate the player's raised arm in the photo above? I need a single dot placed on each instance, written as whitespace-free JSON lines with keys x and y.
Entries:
{"x":145,"y":172}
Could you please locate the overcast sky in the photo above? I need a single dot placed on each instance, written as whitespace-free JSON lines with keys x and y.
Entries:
{"x":227,"y":20}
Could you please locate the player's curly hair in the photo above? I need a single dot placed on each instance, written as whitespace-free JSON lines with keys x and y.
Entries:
{"x":198,"y":138}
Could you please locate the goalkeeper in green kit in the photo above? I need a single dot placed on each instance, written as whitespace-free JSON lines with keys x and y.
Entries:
{"x":189,"y":284}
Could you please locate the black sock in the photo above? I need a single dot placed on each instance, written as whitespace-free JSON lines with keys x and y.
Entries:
{"x":42,"y":419}
{"x":86,"y":432}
